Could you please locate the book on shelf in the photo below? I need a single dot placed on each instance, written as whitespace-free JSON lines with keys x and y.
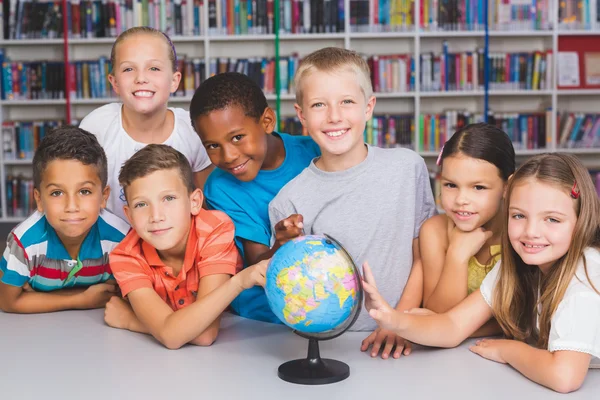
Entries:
{"x":20,"y":201}
{"x":523,"y":15}
{"x":436,"y":129}
{"x":35,"y":80}
{"x":578,"y":130}
{"x":381,"y":15}
{"x":575,"y":14}
{"x":521,"y":71}
{"x":309,"y":16}
{"x":452,"y":15}
{"x":447,"y":71}
{"x":527,"y":131}
{"x":20,"y":139}
{"x":390,"y":130}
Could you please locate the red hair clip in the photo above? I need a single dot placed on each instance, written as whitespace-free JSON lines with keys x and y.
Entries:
{"x":575,"y":191}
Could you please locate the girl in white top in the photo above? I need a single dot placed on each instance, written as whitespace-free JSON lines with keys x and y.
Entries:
{"x":545,"y":291}
{"x":144,"y":74}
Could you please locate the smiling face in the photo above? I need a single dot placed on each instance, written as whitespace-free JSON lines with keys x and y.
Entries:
{"x":71,"y":196}
{"x":143,"y":75}
{"x":472,"y":191}
{"x":334,"y":111}
{"x":159,"y":207}
{"x":541,"y":223}
{"x":235,"y":142}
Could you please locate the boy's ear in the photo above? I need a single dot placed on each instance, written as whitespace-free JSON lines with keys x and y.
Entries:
{"x":105,"y":195}
{"x":299,"y":114}
{"x":370,"y":107}
{"x":175,"y":81}
{"x":196,"y":200}
{"x":113,"y":83}
{"x":127,"y":211}
{"x":268,"y":119}
{"x":38,"y":200}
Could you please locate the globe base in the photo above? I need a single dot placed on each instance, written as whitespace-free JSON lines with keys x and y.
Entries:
{"x":313,"y":370}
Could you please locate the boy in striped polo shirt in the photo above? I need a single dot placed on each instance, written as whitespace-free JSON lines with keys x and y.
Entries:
{"x":176,"y":266}
{"x":57,"y":259}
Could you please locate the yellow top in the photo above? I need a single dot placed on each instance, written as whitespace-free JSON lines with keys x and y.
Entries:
{"x":478,"y":271}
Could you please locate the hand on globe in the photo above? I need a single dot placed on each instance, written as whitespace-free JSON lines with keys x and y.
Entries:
{"x":390,"y":342}
{"x":378,"y":308}
{"x":253,"y":275}
{"x":289,"y":228}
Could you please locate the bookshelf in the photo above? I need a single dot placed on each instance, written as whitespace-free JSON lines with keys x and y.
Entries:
{"x":409,"y":41}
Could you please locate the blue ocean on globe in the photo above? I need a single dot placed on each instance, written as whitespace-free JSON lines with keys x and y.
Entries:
{"x":311,"y":284}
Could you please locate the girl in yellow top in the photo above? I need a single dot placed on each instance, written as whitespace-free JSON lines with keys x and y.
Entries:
{"x":459,"y":247}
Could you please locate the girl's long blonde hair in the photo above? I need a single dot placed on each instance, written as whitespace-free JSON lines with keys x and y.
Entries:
{"x":521,"y":287}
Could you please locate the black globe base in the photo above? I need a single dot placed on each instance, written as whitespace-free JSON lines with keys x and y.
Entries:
{"x":313,"y":370}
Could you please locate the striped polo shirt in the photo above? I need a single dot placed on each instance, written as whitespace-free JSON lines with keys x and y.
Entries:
{"x":34,"y":254}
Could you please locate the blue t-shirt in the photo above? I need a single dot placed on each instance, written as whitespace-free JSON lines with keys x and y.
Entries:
{"x":247,"y":204}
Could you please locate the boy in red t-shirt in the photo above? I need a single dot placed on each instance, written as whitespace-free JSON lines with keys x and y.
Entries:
{"x":176,"y":266}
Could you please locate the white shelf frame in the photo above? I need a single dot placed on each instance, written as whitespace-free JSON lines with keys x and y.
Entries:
{"x":348,"y":38}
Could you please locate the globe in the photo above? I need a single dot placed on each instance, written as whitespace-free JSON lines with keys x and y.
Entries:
{"x":314,"y":287}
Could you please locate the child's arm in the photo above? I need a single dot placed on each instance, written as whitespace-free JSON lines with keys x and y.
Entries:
{"x":445,"y":261}
{"x":14,"y":299}
{"x":441,"y":330}
{"x":197,"y":323}
{"x":562,"y":371}
{"x":411,"y":298}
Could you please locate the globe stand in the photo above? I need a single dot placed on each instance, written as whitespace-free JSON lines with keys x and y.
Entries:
{"x":313,"y":370}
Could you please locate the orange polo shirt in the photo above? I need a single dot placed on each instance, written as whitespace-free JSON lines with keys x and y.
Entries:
{"x":210,"y":250}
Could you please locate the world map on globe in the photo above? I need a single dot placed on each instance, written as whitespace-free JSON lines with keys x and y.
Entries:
{"x":311,"y":284}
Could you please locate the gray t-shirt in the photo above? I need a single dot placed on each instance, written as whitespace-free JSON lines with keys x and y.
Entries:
{"x":374,"y":209}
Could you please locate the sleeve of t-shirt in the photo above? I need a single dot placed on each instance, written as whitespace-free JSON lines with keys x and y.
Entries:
{"x":489,"y":283}
{"x":424,"y":202}
{"x":129,"y":271}
{"x":575,"y":325}
{"x":279,"y":208}
{"x":218,"y":253}
{"x":90,"y":124}
{"x":248,"y":224}
{"x":14,"y":263}
{"x":202,"y":161}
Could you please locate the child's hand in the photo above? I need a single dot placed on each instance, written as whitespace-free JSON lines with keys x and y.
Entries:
{"x":96,"y":296}
{"x":27,"y":288}
{"x":253,"y":275}
{"x":378,"y":308}
{"x":118,"y":313}
{"x":490,"y":349}
{"x":393,"y":343}
{"x":289,"y":228}
{"x":464,"y":245}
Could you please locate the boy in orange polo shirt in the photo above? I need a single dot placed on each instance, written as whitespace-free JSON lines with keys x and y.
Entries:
{"x":176,"y":266}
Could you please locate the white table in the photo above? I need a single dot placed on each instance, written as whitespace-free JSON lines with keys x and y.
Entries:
{"x":74,"y":355}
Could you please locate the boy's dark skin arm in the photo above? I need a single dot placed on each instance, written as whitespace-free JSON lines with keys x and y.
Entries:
{"x":20,"y":300}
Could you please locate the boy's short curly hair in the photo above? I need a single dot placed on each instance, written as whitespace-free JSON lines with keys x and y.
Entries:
{"x":331,"y":59}
{"x":152,"y":158}
{"x":69,"y":142}
{"x":225,"y":90}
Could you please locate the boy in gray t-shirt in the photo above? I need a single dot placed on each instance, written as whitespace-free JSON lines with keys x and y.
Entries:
{"x":372,"y":200}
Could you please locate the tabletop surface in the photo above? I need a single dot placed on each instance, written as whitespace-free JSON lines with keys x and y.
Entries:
{"x":74,"y":355}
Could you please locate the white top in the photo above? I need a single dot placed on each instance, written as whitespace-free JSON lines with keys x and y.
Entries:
{"x":106,"y":123}
{"x":575,"y":325}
